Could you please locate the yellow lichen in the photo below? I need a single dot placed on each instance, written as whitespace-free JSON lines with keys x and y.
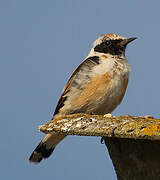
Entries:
{"x":99,"y":125}
{"x":151,"y":130}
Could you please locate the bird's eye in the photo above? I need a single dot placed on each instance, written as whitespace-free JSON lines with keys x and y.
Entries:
{"x":108,"y":43}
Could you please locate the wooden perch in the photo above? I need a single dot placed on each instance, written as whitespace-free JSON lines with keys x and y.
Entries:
{"x":133,"y":142}
{"x":109,"y":126}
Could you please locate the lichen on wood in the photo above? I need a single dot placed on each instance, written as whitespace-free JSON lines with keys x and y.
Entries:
{"x":107,"y":126}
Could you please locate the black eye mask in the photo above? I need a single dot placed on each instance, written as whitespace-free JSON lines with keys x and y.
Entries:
{"x":110,"y":47}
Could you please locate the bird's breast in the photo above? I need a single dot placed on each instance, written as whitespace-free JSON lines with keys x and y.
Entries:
{"x":116,"y":74}
{"x":100,"y":90}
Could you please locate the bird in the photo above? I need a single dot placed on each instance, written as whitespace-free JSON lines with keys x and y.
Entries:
{"x":97,"y":86}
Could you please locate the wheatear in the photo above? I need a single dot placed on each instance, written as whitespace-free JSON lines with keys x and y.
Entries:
{"x":97,"y":86}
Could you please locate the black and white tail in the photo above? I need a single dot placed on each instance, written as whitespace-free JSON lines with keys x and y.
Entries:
{"x":45,"y":147}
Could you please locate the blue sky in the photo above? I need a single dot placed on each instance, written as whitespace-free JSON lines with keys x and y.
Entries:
{"x":41,"y":42}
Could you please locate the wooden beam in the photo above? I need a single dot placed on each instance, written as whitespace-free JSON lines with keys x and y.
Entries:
{"x":133,"y":142}
{"x":108,"y":126}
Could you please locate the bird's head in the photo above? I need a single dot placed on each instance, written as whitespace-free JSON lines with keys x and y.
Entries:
{"x":111,"y":44}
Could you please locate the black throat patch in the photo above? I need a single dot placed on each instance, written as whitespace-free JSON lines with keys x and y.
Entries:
{"x":110,"y":47}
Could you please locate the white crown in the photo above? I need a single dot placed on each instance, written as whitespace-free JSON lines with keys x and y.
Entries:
{"x":105,"y":37}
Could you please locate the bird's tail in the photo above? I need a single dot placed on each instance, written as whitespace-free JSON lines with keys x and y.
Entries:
{"x":45,"y":147}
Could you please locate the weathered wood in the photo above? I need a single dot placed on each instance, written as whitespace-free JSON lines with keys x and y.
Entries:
{"x":95,"y":125}
{"x":133,"y":142}
{"x":135,"y":159}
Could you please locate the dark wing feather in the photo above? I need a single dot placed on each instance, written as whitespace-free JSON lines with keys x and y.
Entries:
{"x":90,"y":62}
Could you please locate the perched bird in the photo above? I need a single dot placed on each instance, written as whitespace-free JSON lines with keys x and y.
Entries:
{"x":97,"y":86}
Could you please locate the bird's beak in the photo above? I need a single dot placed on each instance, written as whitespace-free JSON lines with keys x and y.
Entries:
{"x":126,"y":41}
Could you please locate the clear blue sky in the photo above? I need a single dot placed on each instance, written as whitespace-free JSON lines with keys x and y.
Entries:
{"x":41,"y":42}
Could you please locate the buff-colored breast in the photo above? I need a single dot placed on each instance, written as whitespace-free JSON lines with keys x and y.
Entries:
{"x":102,"y":92}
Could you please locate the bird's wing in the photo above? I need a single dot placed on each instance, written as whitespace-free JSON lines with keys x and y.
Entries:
{"x":82,"y":70}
